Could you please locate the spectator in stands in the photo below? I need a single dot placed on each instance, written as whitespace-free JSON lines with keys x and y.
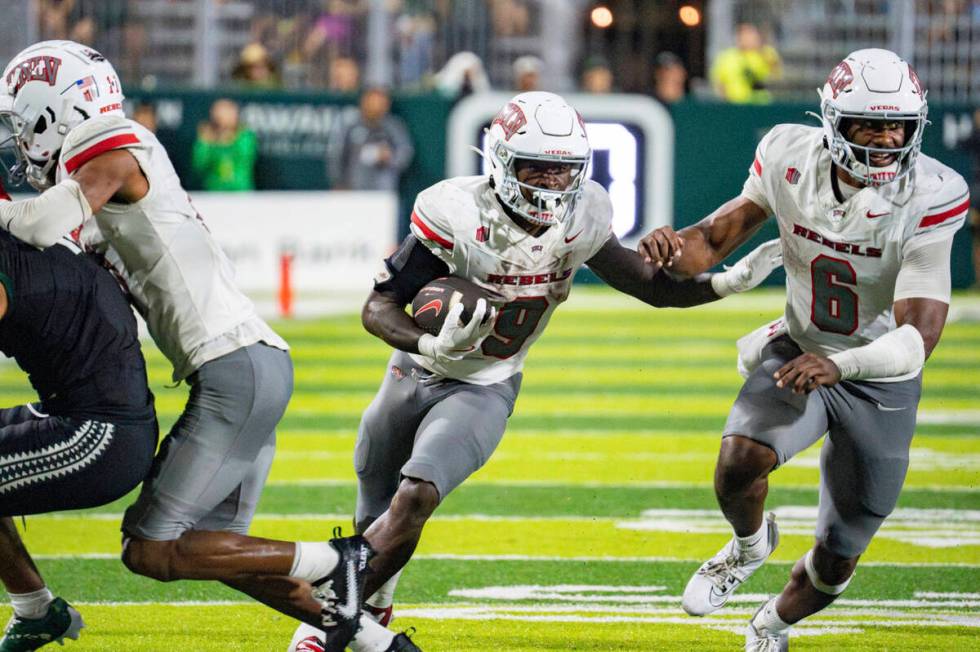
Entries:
{"x":463,"y":74}
{"x":53,"y":18}
{"x":146,"y":114}
{"x":255,"y":67}
{"x":527,"y":73}
{"x":224,"y":153}
{"x":740,"y":74}
{"x":669,"y":78}
{"x":370,"y":148}
{"x":597,"y":77}
{"x":416,"y":31}
{"x":345,"y":75}
{"x":510,"y":17}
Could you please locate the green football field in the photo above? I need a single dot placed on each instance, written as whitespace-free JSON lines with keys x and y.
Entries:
{"x":583,"y":528}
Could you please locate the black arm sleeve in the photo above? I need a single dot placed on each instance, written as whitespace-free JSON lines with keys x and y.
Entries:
{"x":410,"y":268}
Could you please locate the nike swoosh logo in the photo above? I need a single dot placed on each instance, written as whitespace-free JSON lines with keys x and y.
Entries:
{"x":715,"y":594}
{"x":871,"y":215}
{"x":568,"y":240}
{"x":353,"y":605}
{"x":435,"y":305}
{"x":889,"y":409}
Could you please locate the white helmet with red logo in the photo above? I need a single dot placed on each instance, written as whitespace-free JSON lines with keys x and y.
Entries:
{"x":877,"y":85}
{"x":537,"y":126}
{"x":52,"y":87}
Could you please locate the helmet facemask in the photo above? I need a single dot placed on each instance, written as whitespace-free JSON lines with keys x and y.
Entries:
{"x":31,"y":135}
{"x":538,"y":130}
{"x":539,"y":205}
{"x":856,"y":159}
{"x":877,"y":85}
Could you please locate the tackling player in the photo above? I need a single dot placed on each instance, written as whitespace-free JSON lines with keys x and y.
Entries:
{"x":866,"y":225}
{"x":90,"y":439}
{"x":95,"y":167}
{"x":521,"y":234}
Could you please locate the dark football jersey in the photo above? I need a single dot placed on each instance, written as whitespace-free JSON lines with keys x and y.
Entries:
{"x":69,"y":326}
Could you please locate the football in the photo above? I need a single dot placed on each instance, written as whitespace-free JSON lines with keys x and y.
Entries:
{"x":434,"y":301}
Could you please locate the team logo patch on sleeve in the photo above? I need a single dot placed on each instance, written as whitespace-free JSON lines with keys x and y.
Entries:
{"x":793,"y":175}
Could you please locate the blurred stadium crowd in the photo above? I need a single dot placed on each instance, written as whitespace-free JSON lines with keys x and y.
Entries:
{"x":739,"y":51}
{"x":338,"y":45}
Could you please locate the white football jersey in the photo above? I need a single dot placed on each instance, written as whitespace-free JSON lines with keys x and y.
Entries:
{"x":462,"y":223}
{"x":180,"y":280}
{"x":842,"y":259}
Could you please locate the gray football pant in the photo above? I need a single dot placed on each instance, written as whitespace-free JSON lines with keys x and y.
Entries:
{"x":427,"y":427}
{"x":865,"y":456}
{"x":210,"y":469}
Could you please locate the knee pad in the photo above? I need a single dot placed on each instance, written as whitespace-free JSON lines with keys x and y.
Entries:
{"x":819,"y":584}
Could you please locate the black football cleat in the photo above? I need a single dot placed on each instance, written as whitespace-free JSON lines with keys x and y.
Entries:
{"x":341,"y":593}
{"x":402,"y":643}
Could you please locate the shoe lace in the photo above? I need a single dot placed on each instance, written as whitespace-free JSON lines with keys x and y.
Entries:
{"x":723,"y":570}
{"x":327,"y":597}
{"x":765,"y":644}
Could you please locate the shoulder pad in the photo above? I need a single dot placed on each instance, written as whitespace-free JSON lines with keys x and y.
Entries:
{"x":431,"y":221}
{"x":946,"y":201}
{"x":96,"y":136}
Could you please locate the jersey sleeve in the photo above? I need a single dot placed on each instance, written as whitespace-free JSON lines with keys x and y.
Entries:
{"x":755,"y":187}
{"x":408,"y":270}
{"x":431,"y":225}
{"x":925,"y":272}
{"x":96,"y":136}
{"x":945,"y":213}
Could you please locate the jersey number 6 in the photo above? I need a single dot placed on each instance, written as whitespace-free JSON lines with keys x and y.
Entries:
{"x":515,"y":323}
{"x":834,"y":305}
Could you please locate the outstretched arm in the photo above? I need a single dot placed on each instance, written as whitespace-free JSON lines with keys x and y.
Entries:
{"x":699,"y":247}
{"x":43,"y":220}
{"x":627,"y":271}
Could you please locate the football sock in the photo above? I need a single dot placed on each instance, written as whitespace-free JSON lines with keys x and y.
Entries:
{"x":313,"y":560}
{"x":754,"y":545}
{"x":31,"y":605}
{"x":372,"y":637}
{"x":385,"y":595}
{"x":768,"y":620}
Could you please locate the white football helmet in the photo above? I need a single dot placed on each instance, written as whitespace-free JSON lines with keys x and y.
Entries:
{"x":51,"y":87}
{"x":537,"y":126}
{"x":878,"y":85}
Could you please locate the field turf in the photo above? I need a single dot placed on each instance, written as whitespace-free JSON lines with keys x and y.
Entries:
{"x":583,"y":528}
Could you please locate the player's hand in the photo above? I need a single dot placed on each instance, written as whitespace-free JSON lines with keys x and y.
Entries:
{"x":661,"y":246}
{"x":456,"y":340}
{"x":749,"y":271}
{"x":806,"y":372}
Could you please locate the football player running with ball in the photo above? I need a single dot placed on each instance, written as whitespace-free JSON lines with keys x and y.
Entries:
{"x":866,"y":225}
{"x":520,"y":234}
{"x":95,"y":167}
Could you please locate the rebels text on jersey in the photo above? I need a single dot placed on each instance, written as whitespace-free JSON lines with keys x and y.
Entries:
{"x":179,"y":278}
{"x":842,"y":260}
{"x":463,"y":224}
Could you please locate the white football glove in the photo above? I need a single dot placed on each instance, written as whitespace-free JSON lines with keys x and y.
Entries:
{"x":456,"y":340}
{"x":750,"y":271}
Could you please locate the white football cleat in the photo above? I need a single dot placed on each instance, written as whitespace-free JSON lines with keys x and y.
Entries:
{"x":764,"y":641}
{"x":711,"y":586}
